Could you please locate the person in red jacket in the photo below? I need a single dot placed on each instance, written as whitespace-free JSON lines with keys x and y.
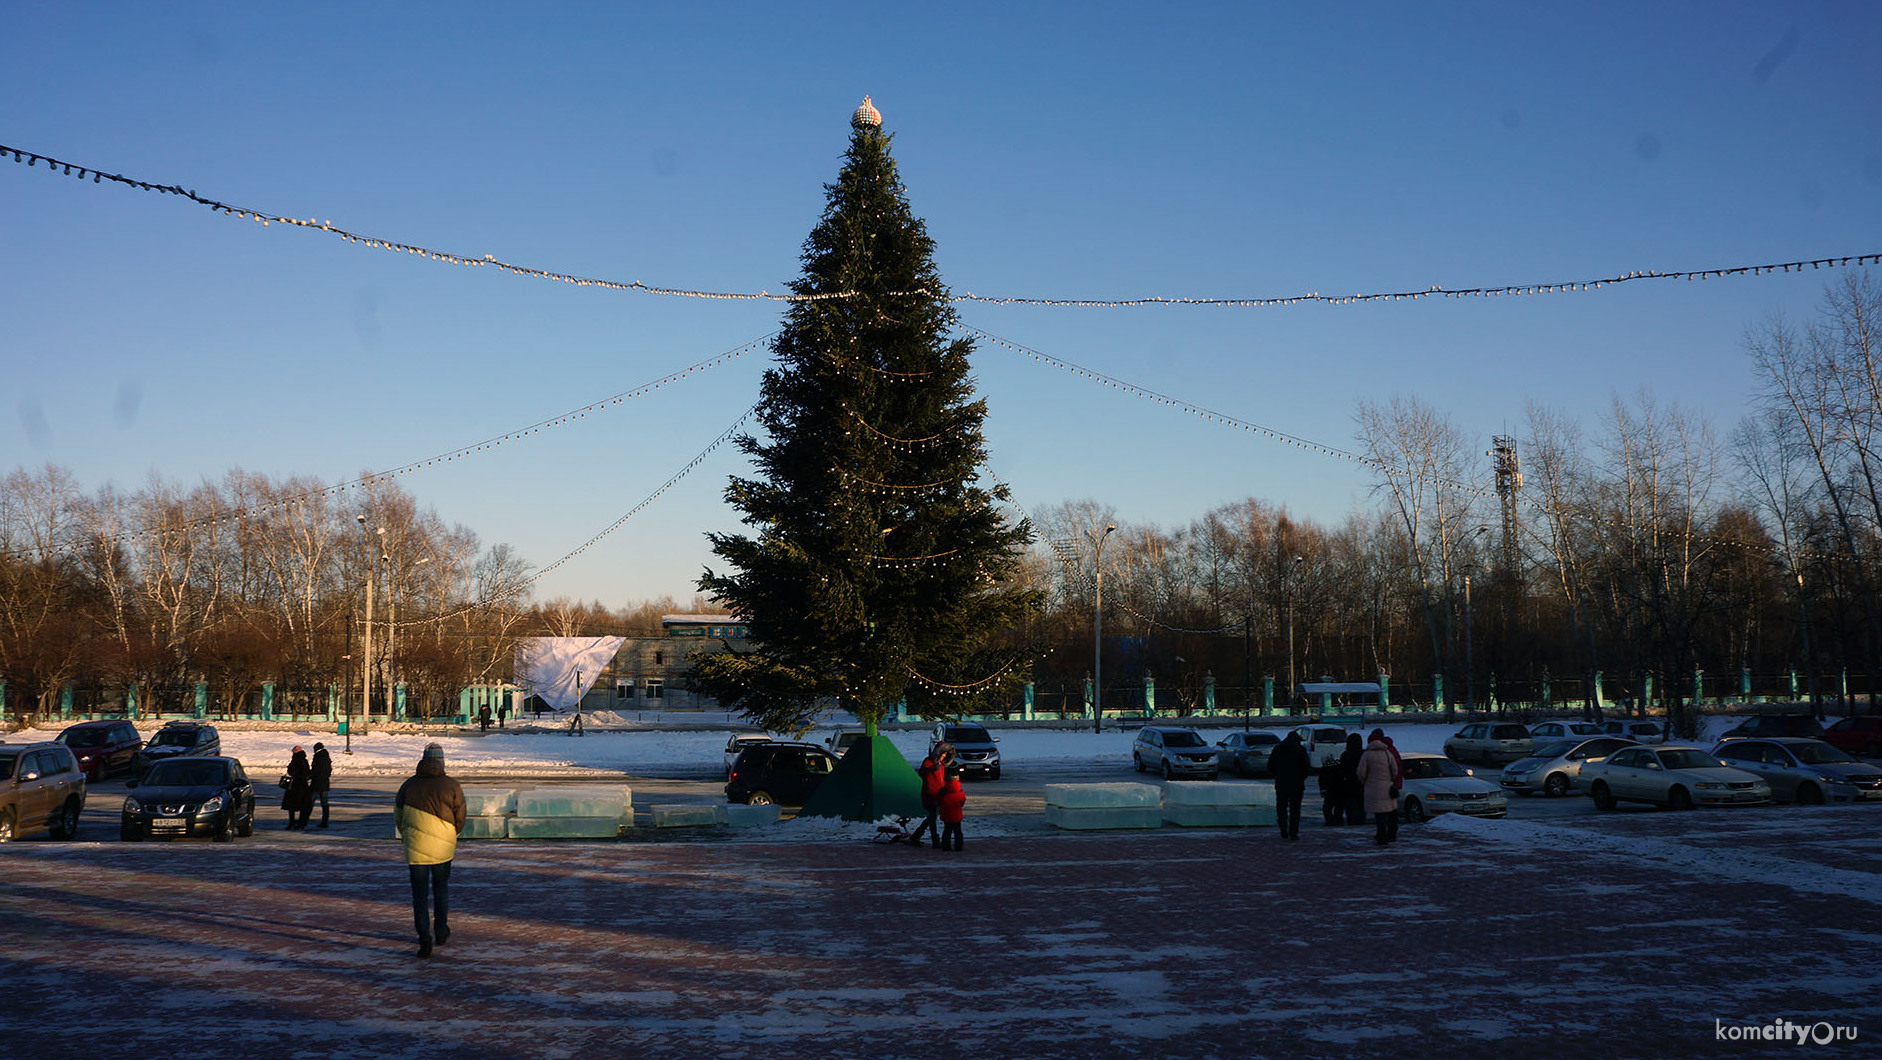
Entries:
{"x":932,"y":773}
{"x":953,"y":802}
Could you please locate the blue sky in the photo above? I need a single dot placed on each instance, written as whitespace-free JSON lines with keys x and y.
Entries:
{"x":1075,"y":150}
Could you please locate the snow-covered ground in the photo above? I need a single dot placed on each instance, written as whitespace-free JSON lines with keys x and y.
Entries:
{"x":609,"y":748}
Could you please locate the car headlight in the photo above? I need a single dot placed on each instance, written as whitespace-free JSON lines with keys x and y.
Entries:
{"x":133,"y":806}
{"x":1442,"y":796}
{"x":1711,"y":785}
{"x":1833,"y":778}
{"x":212,"y":805}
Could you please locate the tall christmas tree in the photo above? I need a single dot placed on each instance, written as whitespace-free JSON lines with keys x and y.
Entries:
{"x":880,"y":568}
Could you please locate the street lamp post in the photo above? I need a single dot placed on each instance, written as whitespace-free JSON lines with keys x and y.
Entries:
{"x":1097,"y":634}
{"x":372,"y":572}
{"x":1292,"y":584}
{"x":1470,"y":659}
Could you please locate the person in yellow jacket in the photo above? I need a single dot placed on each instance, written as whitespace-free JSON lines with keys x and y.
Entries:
{"x":429,"y":810}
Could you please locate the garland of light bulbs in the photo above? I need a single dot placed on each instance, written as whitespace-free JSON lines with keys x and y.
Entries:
{"x":674,"y":480}
{"x":959,"y":690}
{"x":1434,"y":291}
{"x":488,"y":444}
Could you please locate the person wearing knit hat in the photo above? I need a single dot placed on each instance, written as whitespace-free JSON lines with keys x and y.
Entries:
{"x":429,"y":811}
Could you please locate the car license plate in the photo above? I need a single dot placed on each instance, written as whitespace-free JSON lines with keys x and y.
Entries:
{"x":169,"y":823}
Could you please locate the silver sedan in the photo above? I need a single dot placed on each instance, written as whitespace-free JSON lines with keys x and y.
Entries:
{"x":1679,"y":777}
{"x":1804,"y":770}
{"x":1555,"y":766}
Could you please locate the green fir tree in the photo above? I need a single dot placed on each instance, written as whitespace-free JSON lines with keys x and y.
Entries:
{"x":882,"y":566}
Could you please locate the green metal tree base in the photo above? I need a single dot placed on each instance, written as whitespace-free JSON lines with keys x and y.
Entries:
{"x":871,"y":781}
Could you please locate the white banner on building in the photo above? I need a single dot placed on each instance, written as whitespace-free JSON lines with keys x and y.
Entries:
{"x":549,"y":667}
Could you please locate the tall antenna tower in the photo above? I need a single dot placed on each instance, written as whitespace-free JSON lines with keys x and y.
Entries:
{"x":1509,"y":480}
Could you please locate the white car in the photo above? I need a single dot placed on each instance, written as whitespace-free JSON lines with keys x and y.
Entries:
{"x":1436,"y":785}
{"x":1679,"y":777}
{"x":1324,"y":744}
{"x":1565,"y":730}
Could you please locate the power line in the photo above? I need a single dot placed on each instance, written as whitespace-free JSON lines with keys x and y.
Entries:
{"x":1311,"y":297}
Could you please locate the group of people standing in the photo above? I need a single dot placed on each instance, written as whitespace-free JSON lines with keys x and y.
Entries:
{"x":307,"y":782}
{"x":1362,"y":780}
{"x":943,"y":797}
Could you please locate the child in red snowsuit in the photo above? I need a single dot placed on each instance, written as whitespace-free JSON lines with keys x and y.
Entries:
{"x":953,"y":801}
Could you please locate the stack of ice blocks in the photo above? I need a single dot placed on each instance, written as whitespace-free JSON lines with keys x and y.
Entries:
{"x":1205,"y":804}
{"x":1103,"y":806}
{"x":487,"y":812}
{"x":577,"y":811}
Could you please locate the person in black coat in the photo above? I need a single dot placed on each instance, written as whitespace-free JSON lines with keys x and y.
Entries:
{"x":1289,"y":765}
{"x":1332,"y":795}
{"x":1349,"y":779}
{"x":298,"y":800}
{"x":321,"y":779}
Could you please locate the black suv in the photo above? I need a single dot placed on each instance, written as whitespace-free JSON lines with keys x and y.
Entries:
{"x":183,"y":797}
{"x":1777,"y":725}
{"x":782,"y":773}
{"x":179,"y":739}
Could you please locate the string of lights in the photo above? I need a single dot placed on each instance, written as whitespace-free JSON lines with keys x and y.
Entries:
{"x":903,"y":562}
{"x":725,"y":436}
{"x":1203,"y":413}
{"x":366,"y":482}
{"x":889,"y":487}
{"x":1312,"y":297}
{"x":911,"y":443}
{"x":943,"y":687}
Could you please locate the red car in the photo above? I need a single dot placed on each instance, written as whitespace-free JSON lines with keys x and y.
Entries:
{"x":1858,"y":736}
{"x":103,"y":747}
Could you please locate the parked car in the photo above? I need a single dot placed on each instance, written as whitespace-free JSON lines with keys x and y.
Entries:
{"x":1173,"y":753}
{"x":1246,"y":753}
{"x":42,"y":788}
{"x":1490,"y":742}
{"x":178,"y":739}
{"x":1776,"y":725}
{"x":1554,"y":767}
{"x":737,"y":744}
{"x":839,"y":742}
{"x":1858,"y":735}
{"x":1436,"y":785}
{"x":1323,"y":743}
{"x":1679,"y":777}
{"x":1803,"y":770}
{"x":1564,"y":730}
{"x":974,"y":749}
{"x":183,"y":797}
{"x":103,"y":747}
{"x":778,"y":772}
{"x":1637,"y":731}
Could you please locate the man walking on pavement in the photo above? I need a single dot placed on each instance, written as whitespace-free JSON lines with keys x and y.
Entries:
{"x":1290,"y":765}
{"x":429,"y":810}
{"x":321,"y":780}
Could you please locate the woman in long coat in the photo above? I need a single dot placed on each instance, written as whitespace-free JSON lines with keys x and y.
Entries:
{"x":1378,"y":774}
{"x":298,"y":800}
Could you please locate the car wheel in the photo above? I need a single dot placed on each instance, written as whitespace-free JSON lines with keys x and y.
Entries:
{"x":1556,"y":786}
{"x":994,"y":774}
{"x":64,"y":824}
{"x":1137,"y":760}
{"x":1679,"y":799}
{"x":758,"y":798}
{"x":7,"y":834}
{"x":127,"y":835}
{"x":1168,"y":773}
{"x":246,"y":827}
{"x":1809,"y":795}
{"x":1415,"y":811}
{"x":1603,"y":798}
